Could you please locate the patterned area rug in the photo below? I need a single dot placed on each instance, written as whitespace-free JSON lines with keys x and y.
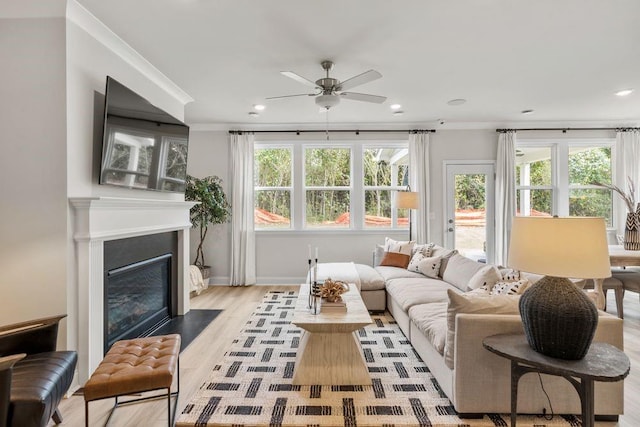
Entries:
{"x":253,"y":384}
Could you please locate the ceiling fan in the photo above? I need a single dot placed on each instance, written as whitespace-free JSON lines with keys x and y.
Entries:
{"x":329,"y":91}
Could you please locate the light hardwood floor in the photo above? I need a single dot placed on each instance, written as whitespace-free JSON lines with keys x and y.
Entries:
{"x":237,"y":304}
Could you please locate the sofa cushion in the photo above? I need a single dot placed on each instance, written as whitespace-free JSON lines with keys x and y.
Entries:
{"x":459,"y":271}
{"x":370,"y":279}
{"x":431,"y":321}
{"x":389,"y":273}
{"x":409,"y":292}
{"x":487,"y":276}
{"x":395,"y":259}
{"x":478,"y":304}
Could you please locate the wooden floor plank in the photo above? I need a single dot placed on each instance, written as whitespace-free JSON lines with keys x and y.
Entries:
{"x":237,"y":304}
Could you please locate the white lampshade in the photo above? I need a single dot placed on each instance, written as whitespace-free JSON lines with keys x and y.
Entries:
{"x":407,"y":200}
{"x":573,"y":247}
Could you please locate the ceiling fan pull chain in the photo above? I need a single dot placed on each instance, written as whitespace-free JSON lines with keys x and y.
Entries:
{"x":327,"y":124}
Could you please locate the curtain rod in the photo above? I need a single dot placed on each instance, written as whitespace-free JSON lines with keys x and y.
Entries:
{"x":564,"y":130}
{"x":356,"y":131}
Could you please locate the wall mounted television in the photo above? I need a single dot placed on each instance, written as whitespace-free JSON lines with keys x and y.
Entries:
{"x":143,"y":147}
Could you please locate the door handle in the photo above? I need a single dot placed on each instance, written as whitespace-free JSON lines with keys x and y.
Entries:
{"x":450,"y":229}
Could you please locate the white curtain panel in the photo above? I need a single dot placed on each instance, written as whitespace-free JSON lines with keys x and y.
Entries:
{"x":627,"y":166}
{"x":243,"y":245}
{"x":505,"y":193}
{"x":419,"y":171}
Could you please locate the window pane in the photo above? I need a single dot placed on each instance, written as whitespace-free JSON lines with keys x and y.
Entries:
{"x":377,"y":172}
{"x":327,"y":167}
{"x":589,"y":165}
{"x":533,"y":166}
{"x":591,"y":202}
{"x":377,"y":208}
{"x":176,"y":166}
{"x":272,"y":167}
{"x":380,"y":164}
{"x":328,"y":208}
{"x":272,"y":209}
{"x":534,"y":202}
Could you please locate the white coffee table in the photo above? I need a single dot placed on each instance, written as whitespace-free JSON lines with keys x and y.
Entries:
{"x":329,"y":352}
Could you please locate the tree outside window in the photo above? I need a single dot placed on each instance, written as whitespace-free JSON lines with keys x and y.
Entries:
{"x":273,"y":186}
{"x":327,"y":187}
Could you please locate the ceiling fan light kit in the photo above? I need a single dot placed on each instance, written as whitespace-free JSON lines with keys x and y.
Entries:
{"x":329,"y":90}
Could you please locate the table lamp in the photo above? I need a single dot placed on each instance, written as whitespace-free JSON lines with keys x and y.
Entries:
{"x":559,"y":319}
{"x":407,"y":200}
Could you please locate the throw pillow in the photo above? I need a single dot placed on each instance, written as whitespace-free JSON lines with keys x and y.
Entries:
{"x":430,"y":266}
{"x":460,"y":270}
{"x":415,"y":260}
{"x":474,"y":304}
{"x":487,"y":276}
{"x":426,"y":249}
{"x":395,"y":259}
{"x":446,"y":254}
{"x":510,"y":275}
{"x":510,"y":288}
{"x":405,"y":247}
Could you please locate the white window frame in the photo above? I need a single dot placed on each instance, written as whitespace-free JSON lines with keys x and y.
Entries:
{"x":560,"y":185}
{"x":356,"y":187}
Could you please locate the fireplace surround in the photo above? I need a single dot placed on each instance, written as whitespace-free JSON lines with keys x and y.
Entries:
{"x":96,"y":221}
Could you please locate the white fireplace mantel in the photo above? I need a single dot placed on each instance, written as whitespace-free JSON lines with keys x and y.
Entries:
{"x":99,"y":219}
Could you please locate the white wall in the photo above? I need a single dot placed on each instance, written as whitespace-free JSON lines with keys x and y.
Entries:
{"x":33,"y":194}
{"x":281,"y":257}
{"x":51,"y":106}
{"x":209,"y":155}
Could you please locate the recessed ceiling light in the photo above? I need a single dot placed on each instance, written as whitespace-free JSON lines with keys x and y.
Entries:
{"x":526,"y":112}
{"x":395,"y":106}
{"x":624,"y":92}
{"x":253,"y":114}
{"x":398,"y":113}
{"x":457,"y":101}
{"x":258,"y":107}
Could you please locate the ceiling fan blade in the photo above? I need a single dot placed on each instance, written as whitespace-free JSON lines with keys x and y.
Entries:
{"x":360,"y":79}
{"x":290,"y":96}
{"x":299,"y":78}
{"x":363,"y":97}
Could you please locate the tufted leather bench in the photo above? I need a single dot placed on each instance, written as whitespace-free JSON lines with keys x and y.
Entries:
{"x":136,"y":366}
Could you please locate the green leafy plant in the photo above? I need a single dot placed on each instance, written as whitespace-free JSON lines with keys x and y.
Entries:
{"x":213,"y":207}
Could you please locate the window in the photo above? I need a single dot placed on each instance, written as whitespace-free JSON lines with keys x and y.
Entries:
{"x":327,"y":187}
{"x":273,"y":186}
{"x":339,"y":186}
{"x":558,"y":178}
{"x":385,"y":169}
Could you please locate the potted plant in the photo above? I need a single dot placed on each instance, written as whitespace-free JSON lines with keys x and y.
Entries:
{"x":631,"y":239}
{"x":213,"y":208}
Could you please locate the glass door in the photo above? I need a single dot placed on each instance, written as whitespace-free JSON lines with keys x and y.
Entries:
{"x":469,"y":217}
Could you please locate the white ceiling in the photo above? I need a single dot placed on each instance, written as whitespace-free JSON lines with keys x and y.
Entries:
{"x":564,"y":59}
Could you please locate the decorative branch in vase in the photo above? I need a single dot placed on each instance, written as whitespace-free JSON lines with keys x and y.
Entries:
{"x":632,"y":226}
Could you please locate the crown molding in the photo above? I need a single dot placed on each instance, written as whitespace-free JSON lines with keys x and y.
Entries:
{"x":94,"y":27}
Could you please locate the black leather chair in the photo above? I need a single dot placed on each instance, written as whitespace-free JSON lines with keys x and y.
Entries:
{"x":37,"y":382}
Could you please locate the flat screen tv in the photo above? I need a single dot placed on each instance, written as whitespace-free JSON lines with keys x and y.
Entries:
{"x":143,"y":146}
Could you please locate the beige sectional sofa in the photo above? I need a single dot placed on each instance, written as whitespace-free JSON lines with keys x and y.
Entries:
{"x":446,"y":323}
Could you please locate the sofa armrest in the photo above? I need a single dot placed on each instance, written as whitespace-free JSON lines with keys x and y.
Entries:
{"x":34,"y":336}
{"x":481,"y":375}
